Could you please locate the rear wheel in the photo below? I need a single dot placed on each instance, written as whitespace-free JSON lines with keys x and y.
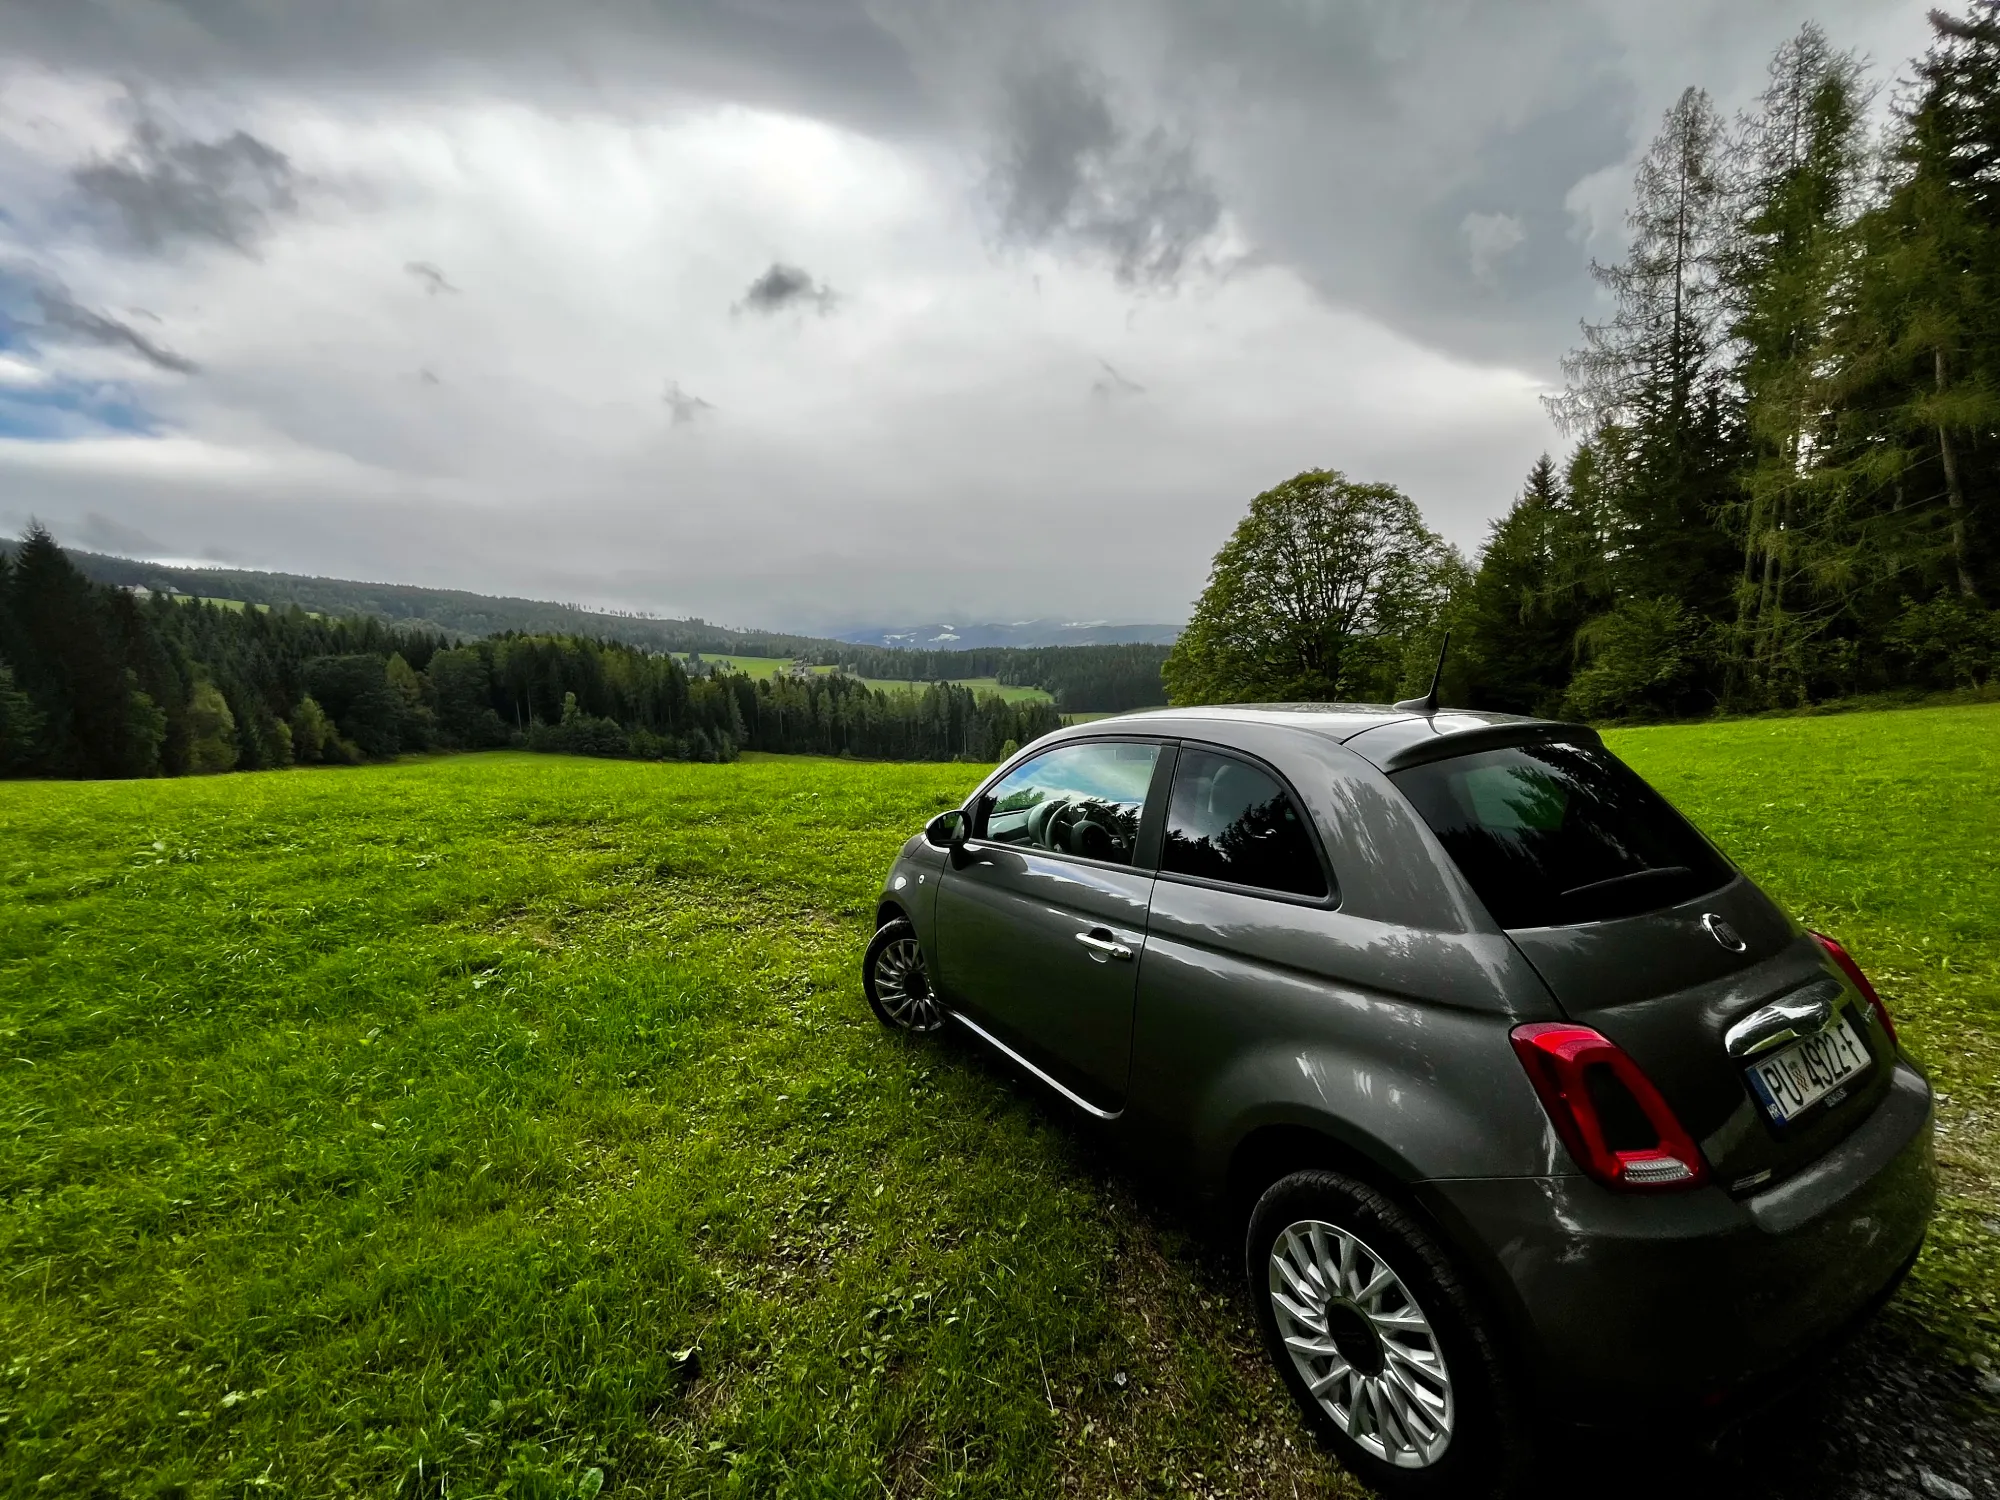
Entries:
{"x":1378,"y":1342}
{"x":897,"y":981}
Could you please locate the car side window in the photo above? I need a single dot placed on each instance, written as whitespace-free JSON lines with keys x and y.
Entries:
{"x":1230,"y":821}
{"x":1077,"y":799}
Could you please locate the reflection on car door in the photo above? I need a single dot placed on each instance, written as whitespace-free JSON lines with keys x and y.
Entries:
{"x":1042,"y":920}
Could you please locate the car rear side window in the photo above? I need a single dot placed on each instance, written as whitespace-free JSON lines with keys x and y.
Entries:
{"x":1229,"y":821}
{"x":1080,"y":799}
{"x":1550,"y":834}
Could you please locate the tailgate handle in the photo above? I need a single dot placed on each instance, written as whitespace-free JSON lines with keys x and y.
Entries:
{"x":1805,"y":1013}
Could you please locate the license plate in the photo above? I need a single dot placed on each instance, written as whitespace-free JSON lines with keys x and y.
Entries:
{"x":1790,"y":1082}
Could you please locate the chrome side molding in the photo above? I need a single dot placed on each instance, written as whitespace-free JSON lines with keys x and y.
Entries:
{"x":1008,"y":1052}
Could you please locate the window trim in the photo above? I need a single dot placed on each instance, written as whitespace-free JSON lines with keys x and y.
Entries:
{"x":1328,"y":902}
{"x":1150,"y":820}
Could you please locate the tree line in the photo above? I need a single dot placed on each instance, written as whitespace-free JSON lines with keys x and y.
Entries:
{"x":96,"y":681}
{"x":1787,"y":441}
{"x":1082,"y":679}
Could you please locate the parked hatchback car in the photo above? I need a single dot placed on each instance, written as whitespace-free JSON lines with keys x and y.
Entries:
{"x":1531,"y":1106}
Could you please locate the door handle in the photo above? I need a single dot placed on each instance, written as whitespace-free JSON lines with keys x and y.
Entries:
{"x":1102,"y":945}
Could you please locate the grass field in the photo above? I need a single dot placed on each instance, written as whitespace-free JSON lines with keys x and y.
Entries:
{"x":513,"y":1125}
{"x":771,"y":666}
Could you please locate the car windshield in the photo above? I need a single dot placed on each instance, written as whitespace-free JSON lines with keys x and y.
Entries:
{"x":1551,"y":834}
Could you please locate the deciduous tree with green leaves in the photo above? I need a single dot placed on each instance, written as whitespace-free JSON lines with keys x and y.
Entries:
{"x":1313,"y":597}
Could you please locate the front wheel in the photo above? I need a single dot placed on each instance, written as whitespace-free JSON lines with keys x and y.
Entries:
{"x":897,"y":982}
{"x":1378,"y":1342}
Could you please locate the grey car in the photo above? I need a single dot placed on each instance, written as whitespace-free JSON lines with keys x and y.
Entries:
{"x":1530,"y":1106}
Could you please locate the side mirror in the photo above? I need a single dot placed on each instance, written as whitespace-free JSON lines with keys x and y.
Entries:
{"x":948,"y":830}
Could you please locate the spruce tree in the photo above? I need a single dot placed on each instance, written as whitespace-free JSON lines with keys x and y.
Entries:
{"x":1536,"y":585}
{"x":1803,"y":154}
{"x":1651,"y":381}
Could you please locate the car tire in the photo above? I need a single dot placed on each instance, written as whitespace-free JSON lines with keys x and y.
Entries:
{"x":1356,"y":1282}
{"x":896,"y":978}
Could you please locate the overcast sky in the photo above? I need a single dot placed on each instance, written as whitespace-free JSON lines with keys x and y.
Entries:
{"x":808,"y":312}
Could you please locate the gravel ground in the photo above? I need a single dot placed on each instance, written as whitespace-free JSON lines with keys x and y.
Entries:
{"x":1880,"y":1423}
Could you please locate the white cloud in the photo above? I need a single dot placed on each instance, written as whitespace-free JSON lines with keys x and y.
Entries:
{"x":1489,"y":240}
{"x":1380,"y":218}
{"x":18,"y":374}
{"x":939,"y":423}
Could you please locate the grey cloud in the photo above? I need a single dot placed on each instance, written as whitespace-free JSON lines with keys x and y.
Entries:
{"x":828,"y":57}
{"x":69,"y":320}
{"x":1349,"y":140}
{"x":99,"y":533}
{"x":782,"y":286}
{"x":686,"y":408}
{"x":1113,"y":383}
{"x":1489,"y":240}
{"x":432,"y":278}
{"x":164,"y":188}
{"x":1069,"y":170}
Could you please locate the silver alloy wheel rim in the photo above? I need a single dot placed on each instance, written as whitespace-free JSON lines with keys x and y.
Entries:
{"x":904,"y":988}
{"x":1325,"y":1280}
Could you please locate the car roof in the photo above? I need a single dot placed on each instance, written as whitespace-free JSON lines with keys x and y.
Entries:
{"x":1389,"y":738}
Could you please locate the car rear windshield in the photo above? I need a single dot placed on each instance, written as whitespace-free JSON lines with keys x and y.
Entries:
{"x":1552,"y":834}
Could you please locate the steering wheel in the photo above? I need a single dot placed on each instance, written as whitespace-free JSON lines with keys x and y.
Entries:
{"x":1042,"y":822}
{"x":1071,"y":829}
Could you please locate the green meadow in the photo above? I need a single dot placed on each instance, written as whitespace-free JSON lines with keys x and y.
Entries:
{"x":772,"y":666}
{"x":513,"y":1125}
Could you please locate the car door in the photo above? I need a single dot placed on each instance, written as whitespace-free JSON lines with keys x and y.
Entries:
{"x":1041,"y":917}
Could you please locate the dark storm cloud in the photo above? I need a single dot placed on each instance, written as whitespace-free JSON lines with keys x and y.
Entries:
{"x":1416,"y":159}
{"x":1068,"y":170}
{"x":163,"y":187}
{"x":782,"y":286}
{"x":820,"y":56}
{"x":64,"y":320}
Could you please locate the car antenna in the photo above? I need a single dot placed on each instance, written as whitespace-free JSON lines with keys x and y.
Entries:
{"x":1428,"y":704}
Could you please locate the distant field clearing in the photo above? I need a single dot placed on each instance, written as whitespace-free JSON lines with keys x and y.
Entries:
{"x":773,"y":666}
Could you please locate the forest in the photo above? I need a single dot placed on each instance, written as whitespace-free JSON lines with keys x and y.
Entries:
{"x":1787,"y":430}
{"x":98,"y":682}
{"x":1082,"y":679}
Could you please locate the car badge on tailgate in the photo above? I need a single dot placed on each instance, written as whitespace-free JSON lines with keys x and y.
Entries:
{"x":1723,"y":933}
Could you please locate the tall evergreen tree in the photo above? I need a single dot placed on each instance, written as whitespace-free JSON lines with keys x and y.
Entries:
{"x":1915,"y":356}
{"x":1654,"y":373}
{"x":1803,"y":154}
{"x":69,"y":659}
{"x":1538,"y":582}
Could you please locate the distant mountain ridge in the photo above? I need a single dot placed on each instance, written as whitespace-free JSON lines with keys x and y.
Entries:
{"x":1108,"y":673}
{"x":1021,"y":634}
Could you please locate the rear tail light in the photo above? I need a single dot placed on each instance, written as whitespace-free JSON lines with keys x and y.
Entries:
{"x":1607,"y":1112}
{"x":1853,"y":971}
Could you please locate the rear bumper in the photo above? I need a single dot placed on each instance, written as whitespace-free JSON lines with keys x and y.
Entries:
{"x":1628,"y":1304}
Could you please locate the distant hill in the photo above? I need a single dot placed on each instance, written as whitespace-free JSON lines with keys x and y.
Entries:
{"x":1085,"y":675}
{"x":1022,"y":633}
{"x":454,"y":611}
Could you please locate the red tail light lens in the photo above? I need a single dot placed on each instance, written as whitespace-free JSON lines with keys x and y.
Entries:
{"x":1605,"y":1109}
{"x":1853,"y":971}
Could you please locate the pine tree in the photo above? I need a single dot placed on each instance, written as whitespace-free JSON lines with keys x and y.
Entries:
{"x":20,"y":725}
{"x":1536,"y":585}
{"x":1916,"y":350}
{"x":1803,"y":155}
{"x":1651,"y":380}
{"x":69,"y":660}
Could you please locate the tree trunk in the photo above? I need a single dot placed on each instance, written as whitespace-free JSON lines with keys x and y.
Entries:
{"x":1954,"y":496}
